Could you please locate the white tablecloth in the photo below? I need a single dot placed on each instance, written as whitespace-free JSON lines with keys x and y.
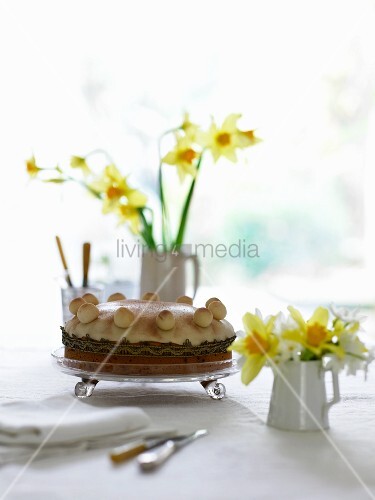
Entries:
{"x":241,"y":458}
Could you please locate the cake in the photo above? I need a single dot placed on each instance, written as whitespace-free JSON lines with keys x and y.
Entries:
{"x":147,"y":336}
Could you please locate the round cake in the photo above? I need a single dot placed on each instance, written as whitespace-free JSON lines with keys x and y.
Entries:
{"x":148,"y":336}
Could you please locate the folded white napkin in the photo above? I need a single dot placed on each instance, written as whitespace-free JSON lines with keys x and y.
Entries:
{"x":69,"y":419}
{"x":64,"y":422}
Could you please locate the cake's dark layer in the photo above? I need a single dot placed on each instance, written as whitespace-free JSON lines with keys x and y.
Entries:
{"x":140,"y":360}
{"x":144,"y":349}
{"x":143,"y":366}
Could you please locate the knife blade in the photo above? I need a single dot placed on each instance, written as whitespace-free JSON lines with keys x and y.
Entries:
{"x":149,"y":460}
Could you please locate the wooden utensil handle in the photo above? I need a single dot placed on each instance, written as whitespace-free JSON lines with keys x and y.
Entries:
{"x":63,"y":260}
{"x":127,"y":453}
{"x":86,"y":263}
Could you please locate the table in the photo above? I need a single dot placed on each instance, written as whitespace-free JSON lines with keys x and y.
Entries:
{"x":241,"y":458}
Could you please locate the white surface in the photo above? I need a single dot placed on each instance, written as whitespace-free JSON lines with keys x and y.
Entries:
{"x":241,"y":458}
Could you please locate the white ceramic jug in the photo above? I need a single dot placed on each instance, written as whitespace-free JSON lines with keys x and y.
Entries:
{"x":299,"y":400}
{"x":166,"y":274}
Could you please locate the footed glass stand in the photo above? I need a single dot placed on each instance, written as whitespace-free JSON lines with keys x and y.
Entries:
{"x":90,"y":373}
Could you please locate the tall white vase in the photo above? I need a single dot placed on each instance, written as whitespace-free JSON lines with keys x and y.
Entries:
{"x":299,"y":400}
{"x":166,"y":274}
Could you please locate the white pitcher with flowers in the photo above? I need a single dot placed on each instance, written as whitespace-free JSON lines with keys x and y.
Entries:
{"x":300,"y":353}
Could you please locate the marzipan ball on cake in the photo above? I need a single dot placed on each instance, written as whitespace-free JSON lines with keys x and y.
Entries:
{"x":116,"y":296}
{"x":91,"y":298}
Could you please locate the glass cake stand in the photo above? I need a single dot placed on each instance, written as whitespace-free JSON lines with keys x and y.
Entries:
{"x":90,"y":373}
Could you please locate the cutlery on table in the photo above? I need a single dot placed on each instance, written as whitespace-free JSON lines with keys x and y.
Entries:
{"x":86,"y":263}
{"x":151,"y":459}
{"x":64,"y":263}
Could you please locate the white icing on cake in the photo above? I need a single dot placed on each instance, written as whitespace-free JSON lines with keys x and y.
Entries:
{"x":144,"y":327}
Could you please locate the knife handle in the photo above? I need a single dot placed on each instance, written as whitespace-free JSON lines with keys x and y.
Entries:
{"x":119,"y":455}
{"x":152,"y":459}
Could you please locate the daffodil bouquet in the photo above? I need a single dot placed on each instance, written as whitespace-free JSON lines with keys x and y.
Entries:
{"x":112,"y":187}
{"x":330,"y":335}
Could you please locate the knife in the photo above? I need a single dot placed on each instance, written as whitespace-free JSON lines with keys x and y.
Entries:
{"x":151,"y":459}
{"x":134,"y":448}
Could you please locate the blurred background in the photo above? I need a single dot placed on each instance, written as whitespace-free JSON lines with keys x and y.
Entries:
{"x":77,"y":76}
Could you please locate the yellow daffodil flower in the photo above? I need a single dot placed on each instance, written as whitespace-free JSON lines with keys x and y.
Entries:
{"x":340,"y":327}
{"x":190,"y":129}
{"x":187,"y":124}
{"x":130,"y":215}
{"x":32,"y":168}
{"x":258,"y":345}
{"x":225,"y":140}
{"x":183,"y":156}
{"x":314,"y":334}
{"x":247,"y":138}
{"x":80,"y":162}
{"x":115,"y":190}
{"x":346,"y":320}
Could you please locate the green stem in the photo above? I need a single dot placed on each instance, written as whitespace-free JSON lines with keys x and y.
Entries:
{"x":161,"y":196}
{"x":147,"y":231}
{"x":165,"y":232}
{"x":185,"y":210}
{"x":102,"y":152}
{"x":165,"y":220}
{"x":81,"y":183}
{"x":89,"y":189}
